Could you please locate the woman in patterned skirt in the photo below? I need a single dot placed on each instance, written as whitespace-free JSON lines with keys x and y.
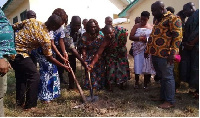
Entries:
{"x":114,"y":48}
{"x":49,"y":87}
{"x":91,"y":40}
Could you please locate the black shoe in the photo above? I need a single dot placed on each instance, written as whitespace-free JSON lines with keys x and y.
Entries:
{"x":63,"y":81}
{"x":70,"y":88}
{"x":20,"y":105}
{"x":122,"y":86}
{"x":136,"y":85}
{"x":145,"y":87}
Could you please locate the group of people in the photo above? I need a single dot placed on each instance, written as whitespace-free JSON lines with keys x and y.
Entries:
{"x":168,"y":48}
{"x":54,"y":45}
{"x":102,"y":52}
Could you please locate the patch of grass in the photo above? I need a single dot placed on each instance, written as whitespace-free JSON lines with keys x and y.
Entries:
{"x":120,"y":103}
{"x":190,"y":109}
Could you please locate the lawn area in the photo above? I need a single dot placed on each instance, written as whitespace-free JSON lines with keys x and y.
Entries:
{"x":120,"y":103}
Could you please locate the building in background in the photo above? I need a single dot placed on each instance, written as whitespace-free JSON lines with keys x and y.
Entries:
{"x":123,"y":12}
{"x":135,"y":8}
{"x":15,"y":10}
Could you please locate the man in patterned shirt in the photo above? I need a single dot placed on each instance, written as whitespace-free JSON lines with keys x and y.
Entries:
{"x":7,"y":47}
{"x":32,"y":14}
{"x":163,"y":44}
{"x":31,"y":35}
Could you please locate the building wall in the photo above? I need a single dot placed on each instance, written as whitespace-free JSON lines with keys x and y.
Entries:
{"x":97,"y":9}
{"x":146,"y":6}
{"x":24,"y":6}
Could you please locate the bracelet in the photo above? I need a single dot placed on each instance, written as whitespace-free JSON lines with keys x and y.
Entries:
{"x":64,"y":52}
{"x":90,"y":66}
{"x":141,"y":38}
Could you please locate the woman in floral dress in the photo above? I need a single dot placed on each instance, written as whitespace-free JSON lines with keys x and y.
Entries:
{"x":91,"y":40}
{"x":114,"y":48}
{"x":49,"y":87}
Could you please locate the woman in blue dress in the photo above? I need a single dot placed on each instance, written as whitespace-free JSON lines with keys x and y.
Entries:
{"x":49,"y":87}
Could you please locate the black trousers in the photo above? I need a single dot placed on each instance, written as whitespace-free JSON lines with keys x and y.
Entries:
{"x":27,"y":81}
{"x":72,"y":61}
{"x":33,"y":59}
{"x":60,"y":69}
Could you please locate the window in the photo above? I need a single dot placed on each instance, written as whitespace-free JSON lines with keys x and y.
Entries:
{"x":23,"y":15}
{"x":15,"y":19}
{"x":129,"y":1}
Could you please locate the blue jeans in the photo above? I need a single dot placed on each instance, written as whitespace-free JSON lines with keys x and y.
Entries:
{"x":166,"y":72}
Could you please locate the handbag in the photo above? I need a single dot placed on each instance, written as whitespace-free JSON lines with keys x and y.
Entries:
{"x":131,"y":50}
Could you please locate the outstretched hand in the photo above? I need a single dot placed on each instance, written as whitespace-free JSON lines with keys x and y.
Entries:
{"x":90,"y":67}
{"x":67,"y":67}
{"x":66,"y":55}
{"x":143,"y":39}
{"x":85,"y":65}
{"x":65,"y":60}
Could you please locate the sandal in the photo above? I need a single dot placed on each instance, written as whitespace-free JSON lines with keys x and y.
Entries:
{"x":166,"y":105}
{"x":30,"y":109}
{"x":122,"y":86}
{"x":136,"y":85}
{"x":46,"y":102}
{"x":196,"y":95}
{"x":146,"y":88}
{"x":21,"y":105}
{"x":110,"y":88}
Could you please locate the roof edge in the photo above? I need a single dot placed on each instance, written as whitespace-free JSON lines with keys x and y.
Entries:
{"x":6,"y":4}
{"x":124,"y":11}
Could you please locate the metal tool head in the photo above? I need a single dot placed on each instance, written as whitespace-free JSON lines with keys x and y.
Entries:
{"x":92,"y":99}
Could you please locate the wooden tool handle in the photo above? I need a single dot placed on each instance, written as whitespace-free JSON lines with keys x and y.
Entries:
{"x":77,"y":84}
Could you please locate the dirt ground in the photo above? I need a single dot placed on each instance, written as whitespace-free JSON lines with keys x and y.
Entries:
{"x":119,"y":103}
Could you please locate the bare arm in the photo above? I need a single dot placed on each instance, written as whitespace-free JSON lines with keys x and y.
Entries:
{"x":56,"y":50}
{"x":84,"y":54}
{"x":75,"y":53}
{"x":99,"y":52}
{"x":57,"y":63}
{"x":18,"y":25}
{"x":132,"y":36}
{"x":62,"y":45}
